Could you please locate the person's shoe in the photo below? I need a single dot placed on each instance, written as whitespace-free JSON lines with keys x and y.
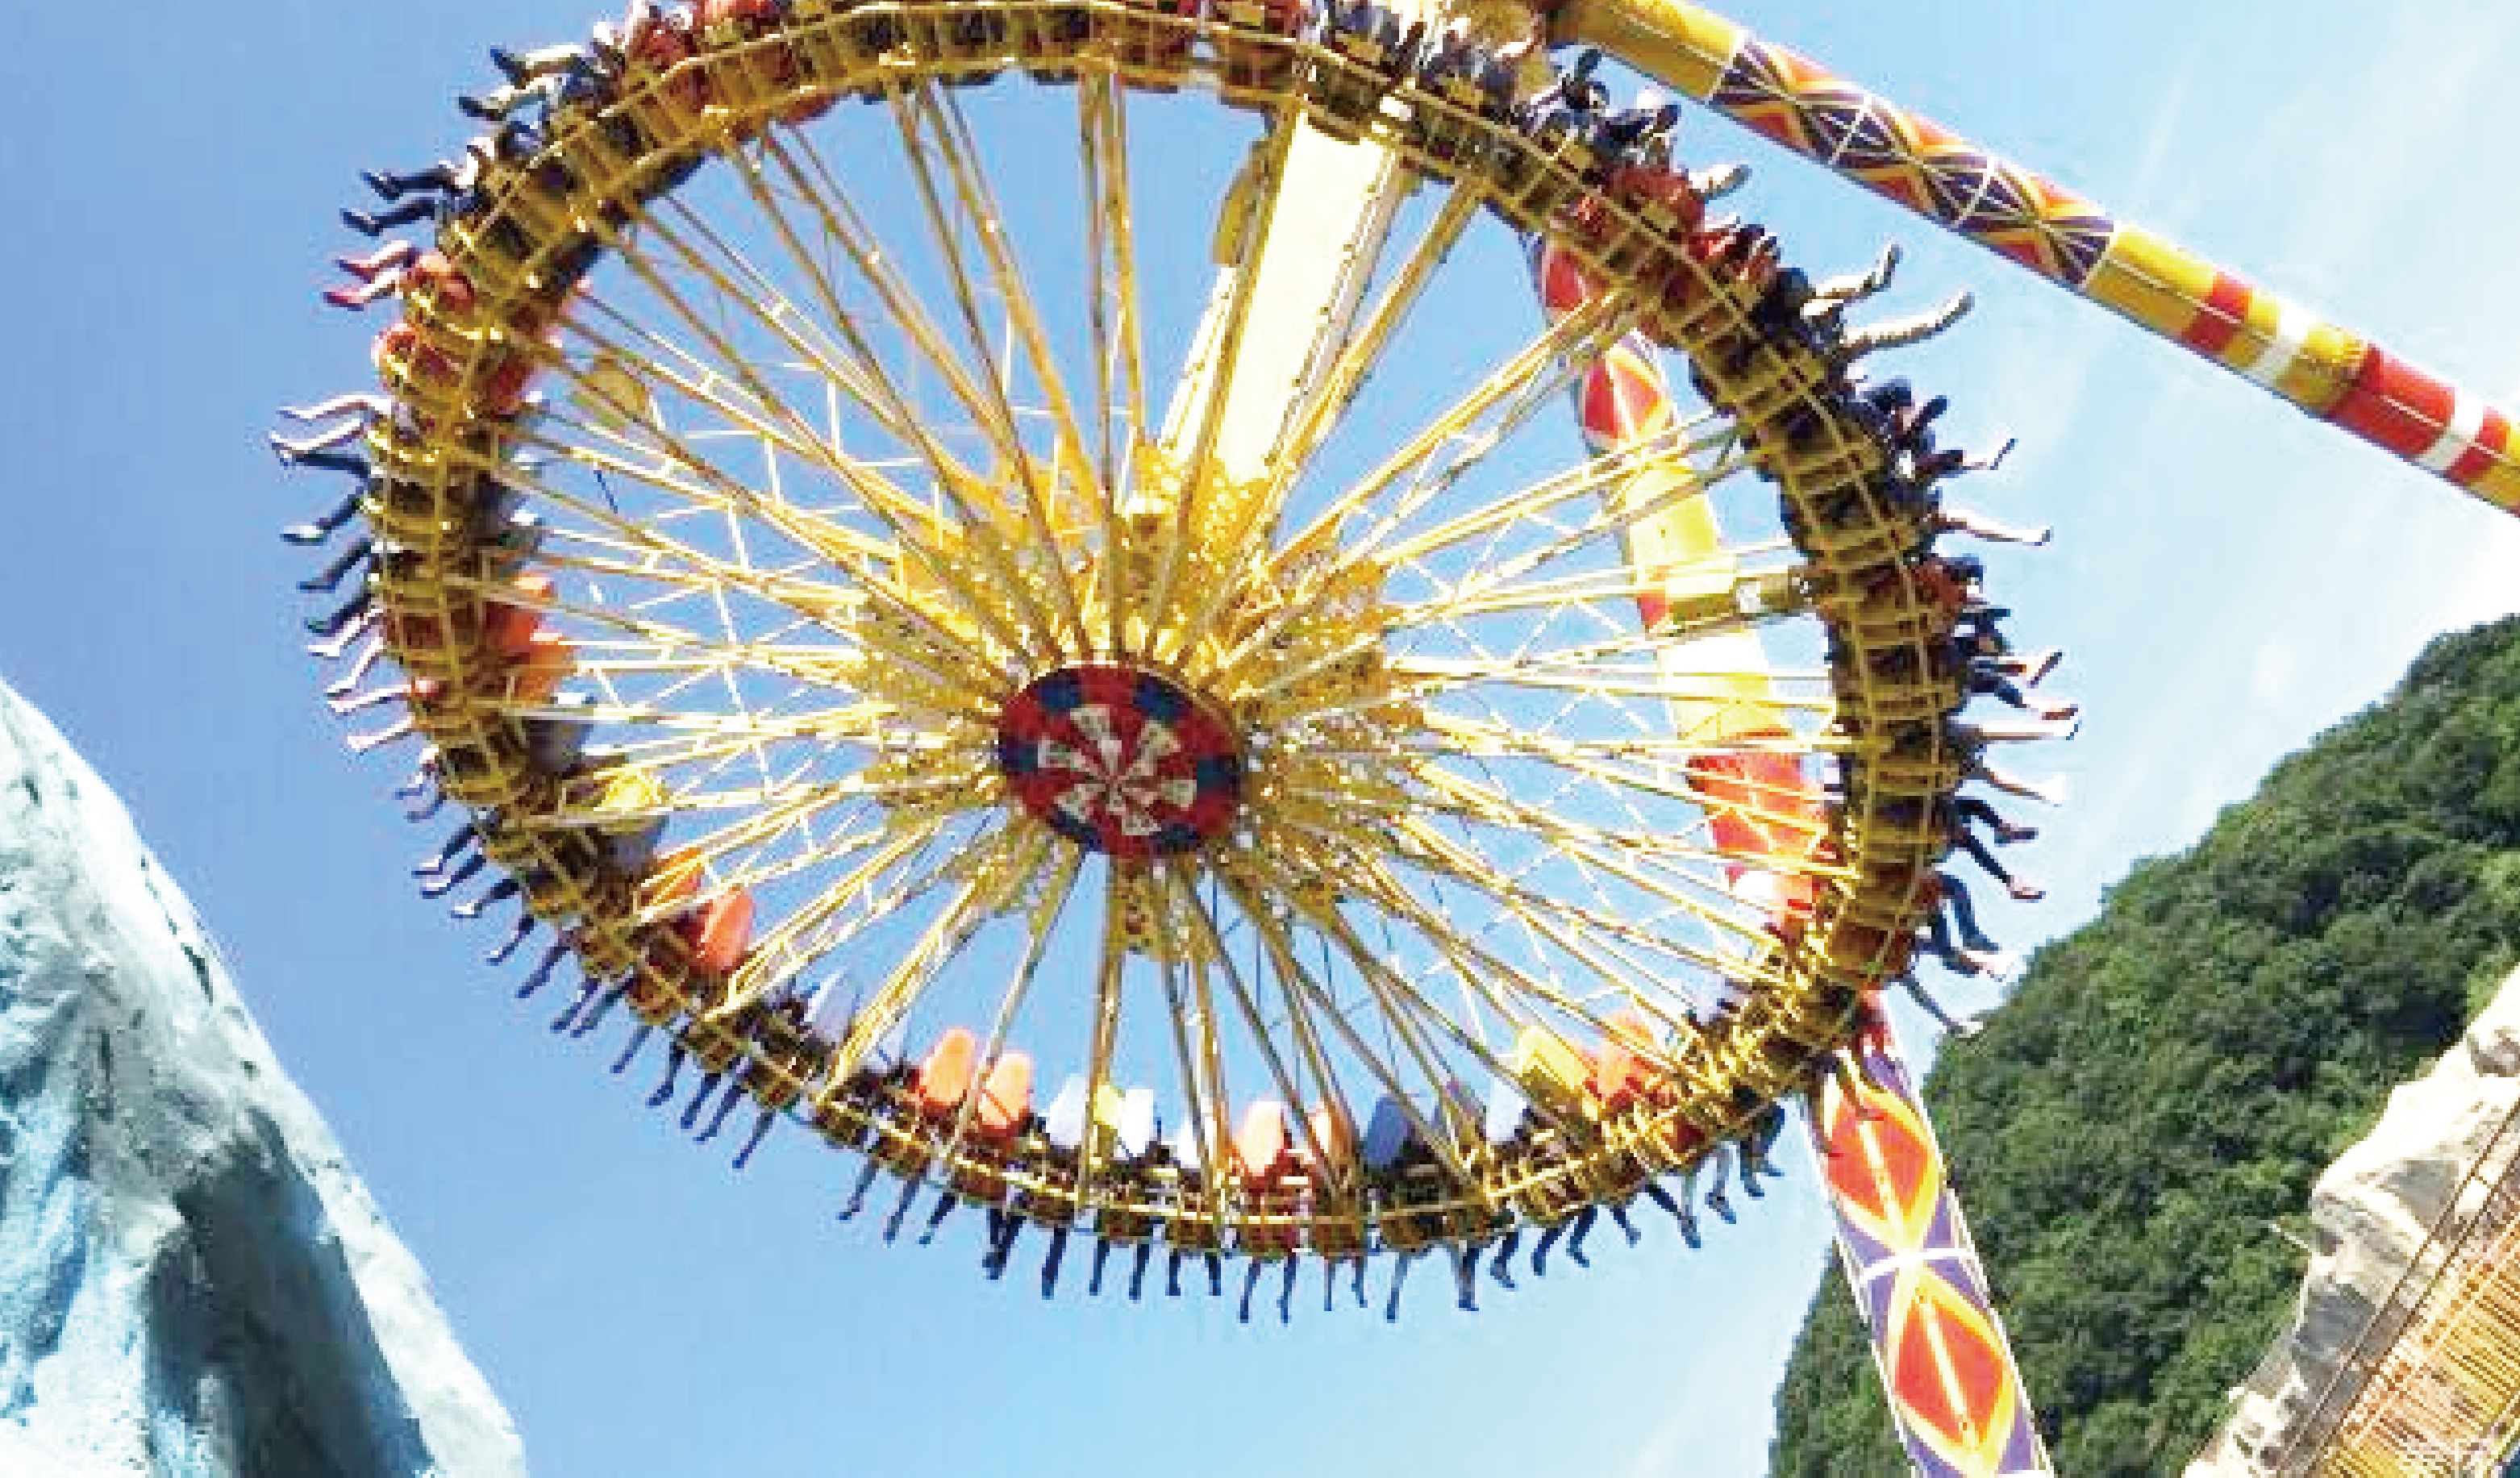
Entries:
{"x":362,"y":222}
{"x":2060,"y":711}
{"x":2006,"y":831}
{"x":303,"y":533}
{"x":2027,"y":892}
{"x":474,"y":108}
{"x":385,"y":189}
{"x":510,"y":67}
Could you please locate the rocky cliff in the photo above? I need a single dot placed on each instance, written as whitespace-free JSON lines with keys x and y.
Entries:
{"x":2369,"y":1215}
{"x":191,"y":1281}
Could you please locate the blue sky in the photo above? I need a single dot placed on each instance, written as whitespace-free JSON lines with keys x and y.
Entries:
{"x":2229,"y":576}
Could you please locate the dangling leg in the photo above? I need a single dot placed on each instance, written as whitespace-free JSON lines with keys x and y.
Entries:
{"x":358,"y":670}
{"x":699,"y":1101}
{"x":374,"y":697}
{"x":1466,"y":1277}
{"x":946,"y":1201}
{"x":911,"y":1185}
{"x":461,"y":837}
{"x":1584,"y":1221}
{"x":858,"y":1194}
{"x":328,"y":522}
{"x":366,"y":403}
{"x":1619,"y":1214}
{"x":1501,"y":1268}
{"x":630,"y":1049}
{"x":541,"y":973}
{"x":1934,"y":1008}
{"x":400,"y":729}
{"x":1857,"y":287}
{"x":1102,"y":1255}
{"x":1172,"y":1274}
{"x":1898,"y":332}
{"x":331,"y":623}
{"x":364,"y":623}
{"x":760,"y":1131}
{"x":1548,"y":1236}
{"x":347,"y":464}
{"x":1716,"y":1200}
{"x":1399,"y":1275}
{"x":328,"y":579}
{"x":674,"y":1056}
{"x":515,"y":940}
{"x":1138,"y":1270}
{"x":1979,"y":527}
{"x":1250,"y":1281}
{"x":423,"y":779}
{"x":1285,"y":1287}
{"x":505,"y":887}
{"x":296,"y":450}
{"x":430,"y":802}
{"x":1049,"y":1259}
{"x":587,"y":986}
{"x":604,"y":1005}
{"x":384,"y":258}
{"x":1215,"y":1274}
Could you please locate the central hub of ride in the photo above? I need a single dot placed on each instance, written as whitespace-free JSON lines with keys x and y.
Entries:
{"x":1120,"y":760}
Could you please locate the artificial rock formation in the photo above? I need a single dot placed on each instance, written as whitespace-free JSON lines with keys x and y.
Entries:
{"x":191,"y":1281}
{"x":2369,"y":1215}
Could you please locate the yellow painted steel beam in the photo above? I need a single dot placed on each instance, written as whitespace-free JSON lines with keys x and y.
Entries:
{"x":2034,"y":223}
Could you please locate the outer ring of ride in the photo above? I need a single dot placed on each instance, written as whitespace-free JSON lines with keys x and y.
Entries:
{"x":520,"y":255}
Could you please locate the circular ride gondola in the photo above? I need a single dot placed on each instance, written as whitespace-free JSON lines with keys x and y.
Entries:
{"x":1388,"y":820}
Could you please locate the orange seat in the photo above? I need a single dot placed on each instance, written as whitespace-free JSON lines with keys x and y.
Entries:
{"x":1619,"y":1071}
{"x":1334,"y":1134}
{"x":506,"y":628}
{"x":945,"y":1075}
{"x":719,"y":932}
{"x":1006,"y":1097}
{"x":1260,"y":1149}
{"x":539,"y":670}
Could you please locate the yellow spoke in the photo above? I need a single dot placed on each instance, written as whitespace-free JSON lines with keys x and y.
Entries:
{"x":1209,"y":945}
{"x":776,"y":957}
{"x":1427,"y":848}
{"x":1043,"y":921}
{"x":1299,"y":982}
{"x":944,"y":939}
{"x":998,"y":409}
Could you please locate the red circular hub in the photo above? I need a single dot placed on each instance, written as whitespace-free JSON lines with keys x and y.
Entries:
{"x":1120,"y":761}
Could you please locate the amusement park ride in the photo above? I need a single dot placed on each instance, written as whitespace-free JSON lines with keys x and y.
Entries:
{"x":1144,"y":722}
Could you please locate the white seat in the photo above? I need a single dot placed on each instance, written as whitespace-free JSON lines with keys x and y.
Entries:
{"x":1063,"y":1123}
{"x":1137,"y":1122}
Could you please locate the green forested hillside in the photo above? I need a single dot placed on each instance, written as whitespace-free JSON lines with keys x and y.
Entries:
{"x":2172,"y":1077}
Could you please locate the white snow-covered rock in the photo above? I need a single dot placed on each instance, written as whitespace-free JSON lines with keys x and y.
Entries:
{"x":191,"y":1281}
{"x":2369,"y":1214}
